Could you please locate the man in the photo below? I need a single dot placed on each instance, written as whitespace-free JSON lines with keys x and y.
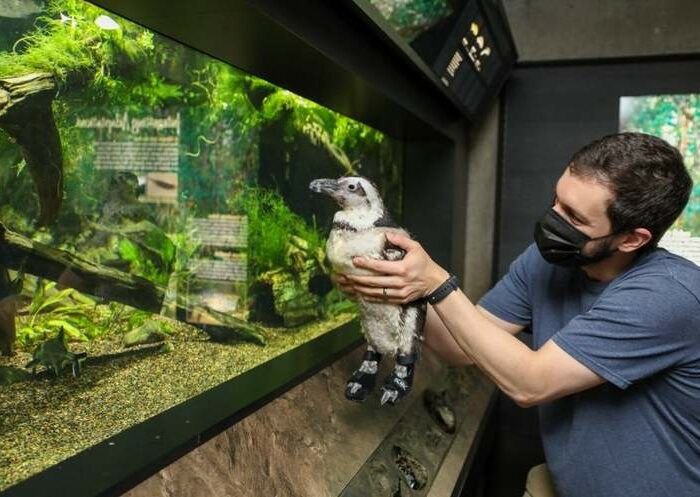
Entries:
{"x":616,"y":323}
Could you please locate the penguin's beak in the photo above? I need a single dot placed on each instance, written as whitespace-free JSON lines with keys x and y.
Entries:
{"x":327,"y":186}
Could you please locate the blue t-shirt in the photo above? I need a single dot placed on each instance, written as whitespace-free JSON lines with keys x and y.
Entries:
{"x":638,"y":434}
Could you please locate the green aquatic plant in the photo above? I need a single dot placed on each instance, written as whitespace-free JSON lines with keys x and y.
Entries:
{"x":336,"y":303}
{"x":148,"y":250}
{"x":271,"y":226}
{"x":186,"y":245}
{"x":322,"y":126}
{"x":66,"y":47}
{"x":13,"y":219}
{"x":52,"y":310}
{"x":67,"y":41}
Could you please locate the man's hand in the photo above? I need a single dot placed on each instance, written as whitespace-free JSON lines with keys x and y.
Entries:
{"x":344,"y":285}
{"x":399,"y":282}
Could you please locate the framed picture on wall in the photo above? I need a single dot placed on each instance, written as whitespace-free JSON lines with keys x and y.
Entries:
{"x":675,"y":118}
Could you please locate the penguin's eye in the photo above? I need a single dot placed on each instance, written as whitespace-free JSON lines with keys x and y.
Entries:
{"x":352,"y":187}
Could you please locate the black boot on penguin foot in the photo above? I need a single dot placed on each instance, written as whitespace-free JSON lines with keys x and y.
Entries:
{"x":362,"y":381}
{"x":398,"y":384}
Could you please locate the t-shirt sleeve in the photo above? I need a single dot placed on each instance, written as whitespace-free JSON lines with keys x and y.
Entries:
{"x":510,"y":298}
{"x":634,"y":330}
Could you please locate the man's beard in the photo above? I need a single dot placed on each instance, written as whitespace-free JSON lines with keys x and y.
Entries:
{"x":602,"y":249}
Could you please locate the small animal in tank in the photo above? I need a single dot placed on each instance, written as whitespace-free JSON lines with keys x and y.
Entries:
{"x":54,"y":356}
{"x":359,"y":229}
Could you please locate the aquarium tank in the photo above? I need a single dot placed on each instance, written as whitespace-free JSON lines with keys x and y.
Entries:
{"x":157,"y":233}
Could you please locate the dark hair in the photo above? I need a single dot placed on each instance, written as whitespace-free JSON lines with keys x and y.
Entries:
{"x":646,"y":175}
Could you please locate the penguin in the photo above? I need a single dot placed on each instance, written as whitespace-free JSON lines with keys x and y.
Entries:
{"x":359,"y":229}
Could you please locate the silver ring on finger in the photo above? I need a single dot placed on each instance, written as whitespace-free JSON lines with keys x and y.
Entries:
{"x":386,"y":297}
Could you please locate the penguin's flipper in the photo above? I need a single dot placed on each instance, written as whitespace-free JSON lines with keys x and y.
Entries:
{"x":362,"y":381}
{"x":399,"y":383}
{"x":392,"y":252}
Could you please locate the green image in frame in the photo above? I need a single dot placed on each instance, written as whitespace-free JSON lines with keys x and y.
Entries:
{"x":676,"y":119}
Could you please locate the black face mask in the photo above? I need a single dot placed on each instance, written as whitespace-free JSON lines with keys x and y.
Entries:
{"x":562,"y":244}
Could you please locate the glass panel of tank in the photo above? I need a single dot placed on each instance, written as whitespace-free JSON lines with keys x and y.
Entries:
{"x":157,"y":234}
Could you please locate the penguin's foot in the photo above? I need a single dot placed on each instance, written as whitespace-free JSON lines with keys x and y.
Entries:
{"x":362,"y":381}
{"x":398,"y":384}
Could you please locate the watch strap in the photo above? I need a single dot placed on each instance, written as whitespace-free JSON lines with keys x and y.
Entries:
{"x":449,"y":286}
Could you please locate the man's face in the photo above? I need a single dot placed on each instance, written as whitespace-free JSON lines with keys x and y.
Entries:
{"x":583,"y":202}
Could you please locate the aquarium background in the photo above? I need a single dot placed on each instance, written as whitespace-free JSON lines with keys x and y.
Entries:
{"x":674,"y":118}
{"x":158,"y":233}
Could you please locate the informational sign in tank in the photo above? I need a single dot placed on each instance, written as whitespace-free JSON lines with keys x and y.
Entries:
{"x":147,"y":146}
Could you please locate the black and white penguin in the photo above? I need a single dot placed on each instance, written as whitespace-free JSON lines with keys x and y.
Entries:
{"x":359,"y":229}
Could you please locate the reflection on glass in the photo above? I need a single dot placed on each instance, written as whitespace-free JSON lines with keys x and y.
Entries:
{"x":157,"y":235}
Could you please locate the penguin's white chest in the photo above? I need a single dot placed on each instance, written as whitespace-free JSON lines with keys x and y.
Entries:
{"x":343,"y":245}
{"x":389,"y":328}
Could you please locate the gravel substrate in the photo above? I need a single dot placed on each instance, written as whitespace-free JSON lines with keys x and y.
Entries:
{"x":46,"y":420}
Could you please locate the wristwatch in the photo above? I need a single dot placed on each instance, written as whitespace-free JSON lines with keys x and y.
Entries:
{"x":449,"y":286}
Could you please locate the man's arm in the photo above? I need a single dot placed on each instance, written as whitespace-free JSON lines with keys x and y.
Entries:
{"x":529,"y":377}
{"x":440,"y":341}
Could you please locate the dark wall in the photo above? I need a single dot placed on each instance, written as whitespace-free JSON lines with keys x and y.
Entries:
{"x":549,"y":113}
{"x":428,"y":194}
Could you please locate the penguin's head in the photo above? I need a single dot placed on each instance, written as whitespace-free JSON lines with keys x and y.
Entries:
{"x":351,"y":192}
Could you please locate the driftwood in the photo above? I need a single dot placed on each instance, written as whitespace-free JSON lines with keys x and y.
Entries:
{"x":284,"y":295}
{"x":68,"y":270}
{"x":26,"y":115}
{"x":232,"y":328}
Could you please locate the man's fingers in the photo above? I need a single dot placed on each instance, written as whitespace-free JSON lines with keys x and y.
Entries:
{"x":346,"y":287}
{"x":338,"y":280}
{"x":382,"y":294}
{"x":341,"y":282}
{"x":377,"y":297}
{"x":400,"y":240}
{"x":382,"y":267}
{"x":374,"y":281}
{"x":368,"y":291}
